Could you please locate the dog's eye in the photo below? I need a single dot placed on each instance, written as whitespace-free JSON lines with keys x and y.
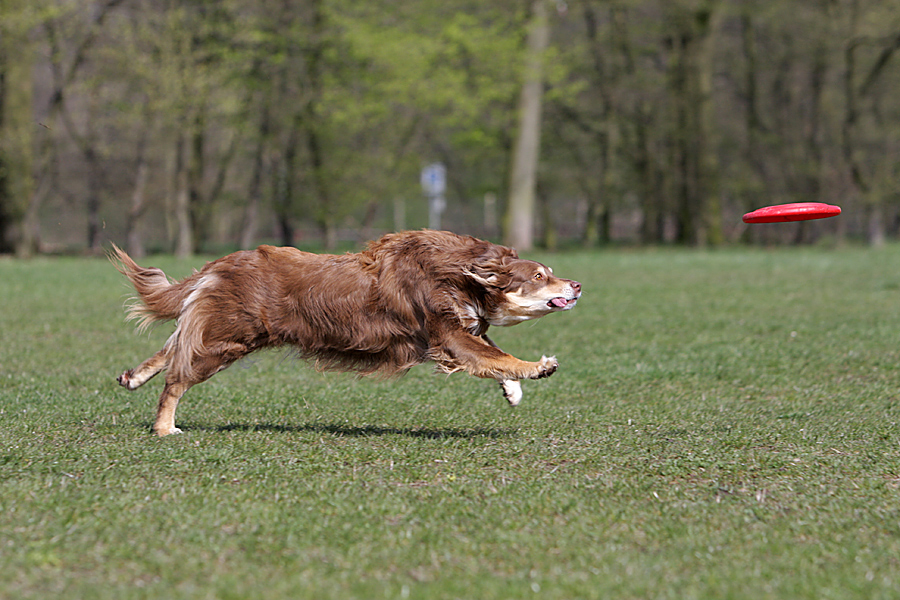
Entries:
{"x":538,"y":276}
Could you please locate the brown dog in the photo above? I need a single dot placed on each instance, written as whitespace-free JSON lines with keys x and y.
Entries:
{"x":408,"y":298}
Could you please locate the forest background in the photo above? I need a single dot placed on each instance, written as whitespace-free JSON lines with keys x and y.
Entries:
{"x":205,"y":125}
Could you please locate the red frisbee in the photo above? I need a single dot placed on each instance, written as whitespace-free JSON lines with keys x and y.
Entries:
{"x":798,"y":211}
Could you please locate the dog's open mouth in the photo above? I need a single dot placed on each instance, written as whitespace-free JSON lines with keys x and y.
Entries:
{"x":561,"y":302}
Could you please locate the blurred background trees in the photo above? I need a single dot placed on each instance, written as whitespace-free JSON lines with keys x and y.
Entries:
{"x":205,"y":125}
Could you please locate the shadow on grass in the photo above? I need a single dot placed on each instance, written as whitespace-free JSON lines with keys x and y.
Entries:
{"x":366,"y":430}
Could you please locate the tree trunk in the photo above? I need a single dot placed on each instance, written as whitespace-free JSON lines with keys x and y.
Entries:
{"x":283,"y":197}
{"x":133,"y":241}
{"x":708,"y":164}
{"x":856,"y":98}
{"x":597,"y":223}
{"x":184,"y":239}
{"x":251,"y":209}
{"x":94,"y":185}
{"x":194,"y":171}
{"x":550,"y":237}
{"x":324,"y":208}
{"x":184,"y":243}
{"x":698,"y":212}
{"x":519,"y":226}
{"x":753,"y":126}
{"x":650,"y":188}
{"x":876,"y":230}
{"x":16,"y":122}
{"x":254,"y":192}
{"x":315,"y":147}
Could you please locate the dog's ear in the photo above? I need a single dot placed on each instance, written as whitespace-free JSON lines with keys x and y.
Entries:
{"x":490,"y":272}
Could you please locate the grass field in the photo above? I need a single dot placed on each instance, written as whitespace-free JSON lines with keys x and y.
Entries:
{"x":723,"y":425}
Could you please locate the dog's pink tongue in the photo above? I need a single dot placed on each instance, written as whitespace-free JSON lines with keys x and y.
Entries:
{"x":559,"y":302}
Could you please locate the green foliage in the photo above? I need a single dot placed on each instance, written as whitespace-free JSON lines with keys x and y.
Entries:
{"x":723,"y":425}
{"x":663,"y":121}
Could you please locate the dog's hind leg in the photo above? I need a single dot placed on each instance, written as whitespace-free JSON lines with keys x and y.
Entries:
{"x":134,"y":378}
{"x":165,"y":411}
{"x":184,"y":375}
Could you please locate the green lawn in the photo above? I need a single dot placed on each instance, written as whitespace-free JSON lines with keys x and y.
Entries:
{"x":723,"y":425}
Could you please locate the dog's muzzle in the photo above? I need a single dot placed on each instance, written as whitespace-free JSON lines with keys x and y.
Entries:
{"x":568,"y":301}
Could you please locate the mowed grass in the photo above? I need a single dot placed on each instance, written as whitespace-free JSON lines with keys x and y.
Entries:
{"x":723,"y":425}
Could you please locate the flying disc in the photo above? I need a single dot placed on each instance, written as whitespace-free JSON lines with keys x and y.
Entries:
{"x":797,"y":211}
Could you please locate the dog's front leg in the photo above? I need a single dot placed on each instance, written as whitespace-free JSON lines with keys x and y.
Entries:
{"x":462,"y":351}
{"x":512,"y":389}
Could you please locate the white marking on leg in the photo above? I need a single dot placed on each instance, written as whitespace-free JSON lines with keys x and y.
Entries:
{"x":512,"y":391}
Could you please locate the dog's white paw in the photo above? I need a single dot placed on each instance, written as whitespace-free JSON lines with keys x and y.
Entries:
{"x":126,"y":381}
{"x":547,"y":367}
{"x":130,"y":380}
{"x":167,"y":431}
{"x":512,"y":391}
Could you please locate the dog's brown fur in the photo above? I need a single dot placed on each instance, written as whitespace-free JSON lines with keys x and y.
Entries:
{"x":408,"y":298}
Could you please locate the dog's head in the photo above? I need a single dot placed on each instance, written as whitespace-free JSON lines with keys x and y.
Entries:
{"x":522,"y":290}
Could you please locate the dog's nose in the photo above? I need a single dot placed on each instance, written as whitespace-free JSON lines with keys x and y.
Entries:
{"x":576,"y":287}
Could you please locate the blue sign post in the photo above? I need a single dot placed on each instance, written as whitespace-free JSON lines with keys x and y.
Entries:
{"x":434,"y":184}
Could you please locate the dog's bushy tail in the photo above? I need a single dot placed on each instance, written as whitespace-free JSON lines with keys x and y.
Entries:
{"x":158,"y":298}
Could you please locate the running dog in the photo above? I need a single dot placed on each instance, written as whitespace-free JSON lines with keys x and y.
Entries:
{"x":408,"y":298}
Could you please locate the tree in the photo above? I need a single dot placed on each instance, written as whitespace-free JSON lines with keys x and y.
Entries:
{"x":71,"y":42}
{"x":641,"y":119}
{"x":16,"y":126}
{"x":519,"y":229}
{"x":693,"y":165}
{"x":868,"y":136}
